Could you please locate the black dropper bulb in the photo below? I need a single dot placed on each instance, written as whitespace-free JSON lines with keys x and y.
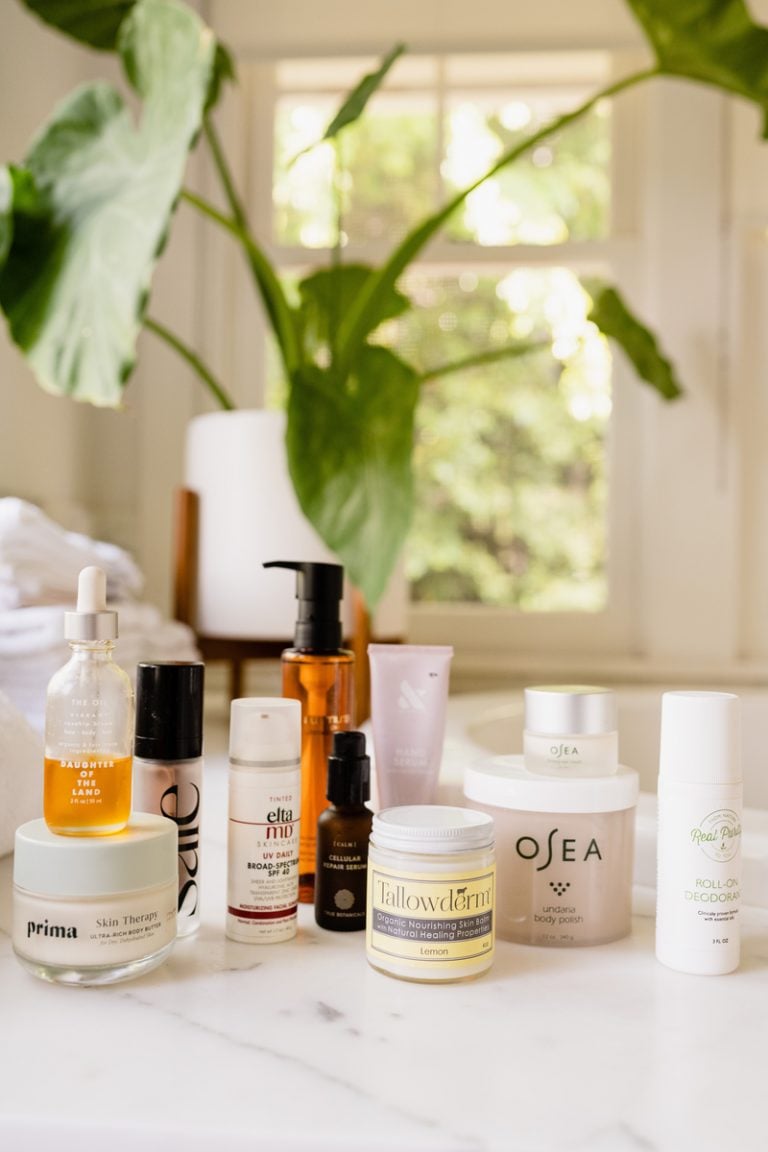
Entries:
{"x":349,"y":770}
{"x":319,"y":589}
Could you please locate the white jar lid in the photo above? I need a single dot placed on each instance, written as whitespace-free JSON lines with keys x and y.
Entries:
{"x":569,"y":709}
{"x":505,"y":782}
{"x":143,"y":855}
{"x":431,"y":828}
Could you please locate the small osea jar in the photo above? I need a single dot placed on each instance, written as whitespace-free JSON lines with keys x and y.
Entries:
{"x":565,"y":851}
{"x":95,"y":910}
{"x":431,"y":893}
{"x":570,"y":730}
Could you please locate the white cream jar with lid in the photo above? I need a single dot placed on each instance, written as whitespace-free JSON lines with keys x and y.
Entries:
{"x":570,"y":729}
{"x":431,"y":893}
{"x":95,"y":910}
{"x":564,"y":849}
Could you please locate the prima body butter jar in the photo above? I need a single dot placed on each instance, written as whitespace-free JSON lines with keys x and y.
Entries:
{"x":431,"y":893}
{"x":564,"y":849}
{"x":95,"y":910}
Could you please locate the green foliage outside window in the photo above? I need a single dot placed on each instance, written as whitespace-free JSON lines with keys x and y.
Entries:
{"x":510,"y":458}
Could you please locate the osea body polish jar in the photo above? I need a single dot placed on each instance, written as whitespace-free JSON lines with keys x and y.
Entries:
{"x":431,"y":893}
{"x":564,"y":848}
{"x":95,"y":910}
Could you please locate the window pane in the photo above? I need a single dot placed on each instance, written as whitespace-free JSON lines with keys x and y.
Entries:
{"x":510,"y":457}
{"x":557,"y":192}
{"x":391,"y":149}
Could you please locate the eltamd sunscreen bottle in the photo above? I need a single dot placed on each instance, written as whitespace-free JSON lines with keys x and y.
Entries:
{"x":264,"y":809}
{"x":699,"y":840}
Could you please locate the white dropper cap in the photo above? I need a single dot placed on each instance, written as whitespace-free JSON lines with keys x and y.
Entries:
{"x":91,"y":620}
{"x":265,"y":732}
{"x":701,"y":737}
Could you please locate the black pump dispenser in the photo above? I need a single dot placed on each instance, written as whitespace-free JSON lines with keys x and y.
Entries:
{"x":349,"y":770}
{"x":319,"y":589}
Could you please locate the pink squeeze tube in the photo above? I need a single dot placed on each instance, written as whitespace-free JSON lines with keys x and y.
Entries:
{"x":409,"y":694}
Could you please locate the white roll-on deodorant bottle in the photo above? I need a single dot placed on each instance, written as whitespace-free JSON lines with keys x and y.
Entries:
{"x":699,"y":838}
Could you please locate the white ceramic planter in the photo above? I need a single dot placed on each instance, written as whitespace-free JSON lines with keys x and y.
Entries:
{"x":236,"y":463}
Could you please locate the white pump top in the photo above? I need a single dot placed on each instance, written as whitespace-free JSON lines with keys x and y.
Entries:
{"x":92,"y":621}
{"x":265,"y":732}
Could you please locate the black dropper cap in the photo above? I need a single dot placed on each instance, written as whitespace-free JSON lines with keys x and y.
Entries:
{"x":319,"y":588}
{"x":349,"y":769}
{"x":169,"y":711}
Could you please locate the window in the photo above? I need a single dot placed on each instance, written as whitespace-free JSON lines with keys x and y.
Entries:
{"x":511,"y":456}
{"x":668,"y":523}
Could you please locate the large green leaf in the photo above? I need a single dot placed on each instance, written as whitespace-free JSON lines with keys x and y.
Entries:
{"x":77,"y":277}
{"x":326,"y":295}
{"x":715,"y":41}
{"x":612,"y":316}
{"x":94,"y":22}
{"x":349,"y":454}
{"x":97,"y":23}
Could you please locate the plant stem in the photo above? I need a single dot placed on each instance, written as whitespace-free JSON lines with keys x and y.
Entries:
{"x":220,"y":160}
{"x":221,"y":396}
{"x":338,"y":200}
{"x":211,"y":211}
{"x":269,"y":287}
{"x":363,"y":314}
{"x":508,"y":352}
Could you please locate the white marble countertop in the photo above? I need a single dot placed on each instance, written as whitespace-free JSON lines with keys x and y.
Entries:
{"x":303,"y":1046}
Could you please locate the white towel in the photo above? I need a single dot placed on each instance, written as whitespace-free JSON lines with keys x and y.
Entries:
{"x":32,"y":648}
{"x":21,"y":773}
{"x":40,"y":561}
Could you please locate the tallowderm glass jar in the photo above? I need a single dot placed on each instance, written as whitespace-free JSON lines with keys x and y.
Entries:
{"x":95,"y":910}
{"x":570,"y":729}
{"x":431,"y":893}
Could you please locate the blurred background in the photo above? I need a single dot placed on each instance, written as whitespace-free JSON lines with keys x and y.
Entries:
{"x":569,"y":524}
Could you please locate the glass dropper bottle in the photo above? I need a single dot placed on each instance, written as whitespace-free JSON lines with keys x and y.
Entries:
{"x":88,"y":723}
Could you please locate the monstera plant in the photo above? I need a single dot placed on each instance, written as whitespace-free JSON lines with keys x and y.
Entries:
{"x":85,"y":215}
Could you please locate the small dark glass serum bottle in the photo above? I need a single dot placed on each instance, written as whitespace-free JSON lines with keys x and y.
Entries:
{"x":342,"y":837}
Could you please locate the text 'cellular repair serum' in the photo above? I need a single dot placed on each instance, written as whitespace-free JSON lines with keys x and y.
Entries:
{"x":699,"y":840}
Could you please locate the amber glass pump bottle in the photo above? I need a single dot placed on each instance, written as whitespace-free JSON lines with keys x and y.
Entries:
{"x":319,"y":673}
{"x":343,"y":831}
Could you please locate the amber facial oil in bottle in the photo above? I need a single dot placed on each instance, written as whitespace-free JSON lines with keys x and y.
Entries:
{"x":319,"y":673}
{"x":342,"y":837}
{"x":88,"y":723}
